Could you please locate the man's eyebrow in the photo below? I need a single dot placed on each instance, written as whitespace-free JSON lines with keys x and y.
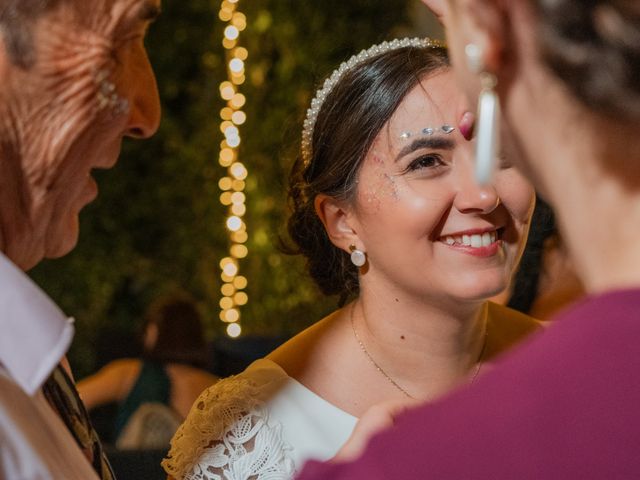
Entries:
{"x":148,"y":11}
{"x":434,"y":142}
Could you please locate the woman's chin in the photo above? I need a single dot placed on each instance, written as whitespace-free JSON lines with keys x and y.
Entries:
{"x":482,"y":291}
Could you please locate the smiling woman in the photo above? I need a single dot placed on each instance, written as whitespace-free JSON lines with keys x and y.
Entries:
{"x":385,"y":209}
{"x":565,"y":405}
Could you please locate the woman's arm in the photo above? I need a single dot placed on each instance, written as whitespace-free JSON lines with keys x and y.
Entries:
{"x":110,"y":384}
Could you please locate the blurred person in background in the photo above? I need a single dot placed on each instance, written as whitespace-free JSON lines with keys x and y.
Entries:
{"x":546,"y":281}
{"x":155,"y":392}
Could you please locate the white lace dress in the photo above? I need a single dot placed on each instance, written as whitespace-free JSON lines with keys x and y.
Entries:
{"x":258,"y":425}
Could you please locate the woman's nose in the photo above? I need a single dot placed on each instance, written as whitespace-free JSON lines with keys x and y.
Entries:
{"x":472,"y":197}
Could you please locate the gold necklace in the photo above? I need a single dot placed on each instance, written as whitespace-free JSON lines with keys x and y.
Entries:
{"x":391,"y":380}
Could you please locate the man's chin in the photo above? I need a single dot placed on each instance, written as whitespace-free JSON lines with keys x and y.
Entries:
{"x":63,"y":242}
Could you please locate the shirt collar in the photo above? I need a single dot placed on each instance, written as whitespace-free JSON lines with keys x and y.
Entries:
{"x":35,"y":333}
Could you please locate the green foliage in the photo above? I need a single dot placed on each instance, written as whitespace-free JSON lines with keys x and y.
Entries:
{"x":157,"y":224}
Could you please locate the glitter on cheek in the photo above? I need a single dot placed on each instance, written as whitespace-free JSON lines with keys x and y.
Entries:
{"x":370,"y":200}
{"x":383,"y":184}
{"x":377,"y":181}
{"x":393,"y":185}
{"x":107,"y":97}
{"x":377,"y":159}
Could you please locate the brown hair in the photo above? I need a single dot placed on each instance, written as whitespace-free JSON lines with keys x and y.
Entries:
{"x":351,"y":117}
{"x":180,"y":332}
{"x":594,"y":47}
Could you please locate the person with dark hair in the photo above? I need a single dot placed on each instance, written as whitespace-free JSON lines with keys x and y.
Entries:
{"x":546,"y":281}
{"x":174,"y":333}
{"x":564,"y":405}
{"x":523,"y":290}
{"x":170,"y":376}
{"x":74,"y":81}
{"x":386,"y":212}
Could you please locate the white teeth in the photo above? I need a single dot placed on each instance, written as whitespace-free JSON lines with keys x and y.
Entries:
{"x":473,"y":241}
{"x":486,"y":239}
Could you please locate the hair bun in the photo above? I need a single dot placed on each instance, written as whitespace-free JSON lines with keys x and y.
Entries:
{"x":594,"y":47}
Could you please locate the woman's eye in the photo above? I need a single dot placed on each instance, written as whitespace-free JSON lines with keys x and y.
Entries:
{"x":426,"y":161}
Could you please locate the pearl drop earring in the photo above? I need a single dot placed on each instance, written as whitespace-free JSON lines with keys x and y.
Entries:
{"x":358,"y":257}
{"x":488,"y":117}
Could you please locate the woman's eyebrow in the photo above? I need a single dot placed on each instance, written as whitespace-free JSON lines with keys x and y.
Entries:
{"x":434,"y":142}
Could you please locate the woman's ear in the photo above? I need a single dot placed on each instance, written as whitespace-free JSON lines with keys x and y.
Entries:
{"x":337,"y":221}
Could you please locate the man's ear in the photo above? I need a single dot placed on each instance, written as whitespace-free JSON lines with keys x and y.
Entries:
{"x":437,"y":7}
{"x":336,"y":220}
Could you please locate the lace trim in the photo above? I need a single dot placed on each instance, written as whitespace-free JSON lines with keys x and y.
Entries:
{"x":228,"y":436}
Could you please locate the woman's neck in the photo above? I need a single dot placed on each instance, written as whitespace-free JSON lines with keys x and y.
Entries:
{"x":601,"y":227}
{"x":427,"y":349}
{"x":589,"y":170}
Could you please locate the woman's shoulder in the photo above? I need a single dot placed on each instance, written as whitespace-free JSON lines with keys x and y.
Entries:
{"x":224,"y":420}
{"x":311,"y":347}
{"x":124,"y":365}
{"x":242,"y":391}
{"x":508,"y":327}
{"x":514,"y":319}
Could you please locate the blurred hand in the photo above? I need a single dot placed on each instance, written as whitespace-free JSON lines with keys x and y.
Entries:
{"x":436,"y":6}
{"x":377,"y":418}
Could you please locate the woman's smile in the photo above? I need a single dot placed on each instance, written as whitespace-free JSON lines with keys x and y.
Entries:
{"x":477,"y":242}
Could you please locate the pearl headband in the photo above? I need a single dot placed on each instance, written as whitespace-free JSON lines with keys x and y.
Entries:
{"x":330,"y":83}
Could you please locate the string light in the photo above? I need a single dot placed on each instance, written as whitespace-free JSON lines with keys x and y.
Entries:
{"x":232,"y":184}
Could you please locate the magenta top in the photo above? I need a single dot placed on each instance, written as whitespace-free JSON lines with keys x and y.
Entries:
{"x":564,"y":405}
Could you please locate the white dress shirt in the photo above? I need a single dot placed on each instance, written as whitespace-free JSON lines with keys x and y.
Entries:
{"x":34,"y":336}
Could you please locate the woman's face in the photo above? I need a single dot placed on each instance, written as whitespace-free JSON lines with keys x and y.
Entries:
{"x":426,"y":226}
{"x":91,"y":85}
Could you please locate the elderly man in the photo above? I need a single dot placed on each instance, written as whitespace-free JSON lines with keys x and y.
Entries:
{"x":74,"y":80}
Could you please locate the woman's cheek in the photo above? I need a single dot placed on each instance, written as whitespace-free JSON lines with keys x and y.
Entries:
{"x":517,"y":195}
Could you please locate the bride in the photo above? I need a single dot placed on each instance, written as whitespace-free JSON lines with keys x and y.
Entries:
{"x":385,"y":209}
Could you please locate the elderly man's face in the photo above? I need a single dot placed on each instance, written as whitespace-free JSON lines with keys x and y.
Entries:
{"x":90,"y":86}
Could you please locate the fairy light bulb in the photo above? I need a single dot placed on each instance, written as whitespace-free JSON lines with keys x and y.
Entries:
{"x":233,"y":182}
